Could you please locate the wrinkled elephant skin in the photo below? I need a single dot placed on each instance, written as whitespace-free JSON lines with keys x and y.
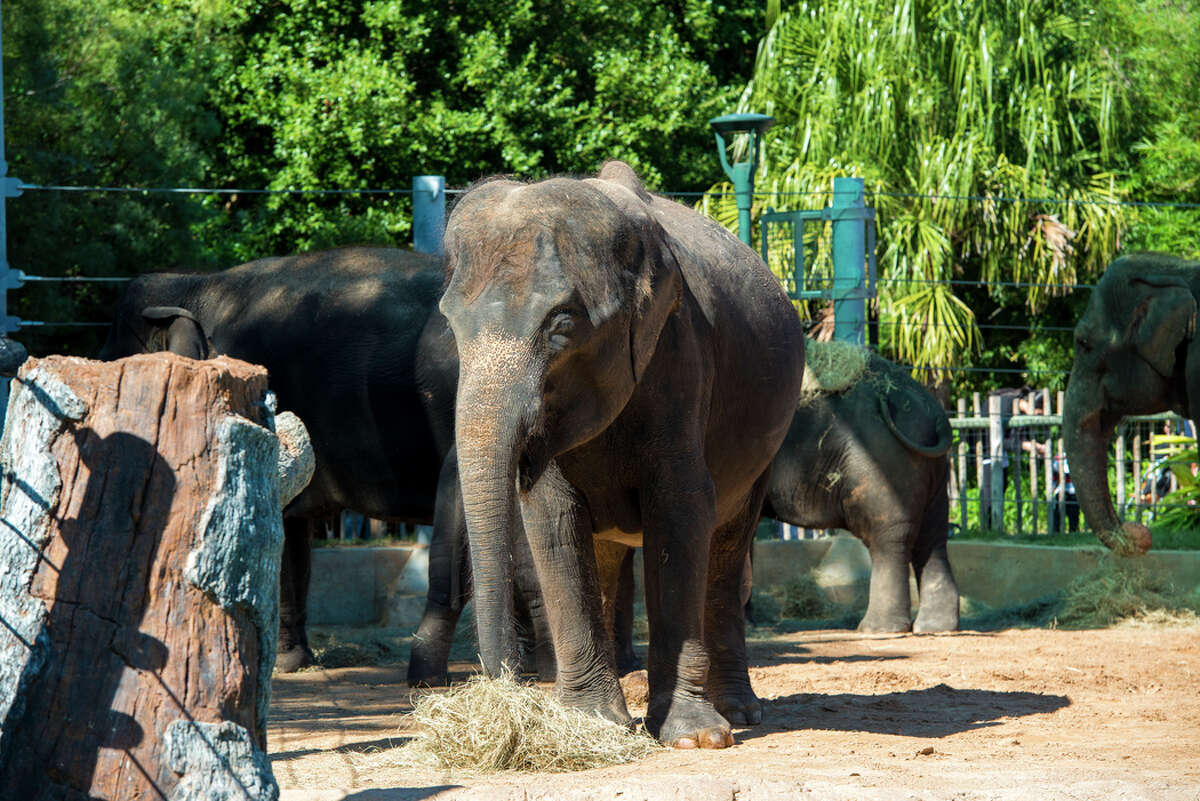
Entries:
{"x":628,"y":369}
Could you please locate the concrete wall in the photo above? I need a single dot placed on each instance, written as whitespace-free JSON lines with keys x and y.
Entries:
{"x":361,"y":586}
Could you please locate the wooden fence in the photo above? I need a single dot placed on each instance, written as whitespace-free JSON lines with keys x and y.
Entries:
{"x":1020,"y":459}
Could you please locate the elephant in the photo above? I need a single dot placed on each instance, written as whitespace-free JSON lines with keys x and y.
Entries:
{"x":338,"y":332}
{"x":1135,"y":353}
{"x":628,"y":369}
{"x":866,"y":451}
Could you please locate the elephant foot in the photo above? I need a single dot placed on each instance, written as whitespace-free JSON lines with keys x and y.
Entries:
{"x":740,"y":706}
{"x":895,"y":623}
{"x":690,"y":723}
{"x":944,"y":617}
{"x":430,"y":655}
{"x":427,"y":665}
{"x":292,"y":659}
{"x":611,"y":707}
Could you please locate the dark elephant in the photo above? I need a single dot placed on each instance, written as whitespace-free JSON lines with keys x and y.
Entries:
{"x":338,"y":332}
{"x":628,"y":370}
{"x":1135,"y":353}
{"x":867,"y":452}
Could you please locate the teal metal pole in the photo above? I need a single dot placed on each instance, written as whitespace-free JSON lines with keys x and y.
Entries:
{"x":849,"y":255}
{"x":429,"y":212}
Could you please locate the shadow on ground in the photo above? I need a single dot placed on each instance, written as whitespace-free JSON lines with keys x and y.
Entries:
{"x":932,"y":712}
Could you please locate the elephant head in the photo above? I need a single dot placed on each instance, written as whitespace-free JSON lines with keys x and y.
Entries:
{"x":556,"y":293}
{"x":1131,"y":349}
{"x":150,"y":318}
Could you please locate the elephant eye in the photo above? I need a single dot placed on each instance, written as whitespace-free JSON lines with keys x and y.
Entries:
{"x":559,"y":328}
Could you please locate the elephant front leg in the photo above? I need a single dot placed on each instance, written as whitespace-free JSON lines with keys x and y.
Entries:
{"x":295,"y":570}
{"x":558,"y":526}
{"x":678,"y":529}
{"x":889,"y":605}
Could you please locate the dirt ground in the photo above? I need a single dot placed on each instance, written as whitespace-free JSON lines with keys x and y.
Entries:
{"x":1019,"y":714}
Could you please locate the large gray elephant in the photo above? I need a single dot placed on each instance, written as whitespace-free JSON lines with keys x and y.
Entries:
{"x":1135,"y":353}
{"x":866,"y":451}
{"x":628,"y":370}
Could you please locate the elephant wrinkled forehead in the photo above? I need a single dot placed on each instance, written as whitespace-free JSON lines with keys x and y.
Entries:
{"x":557,"y":236}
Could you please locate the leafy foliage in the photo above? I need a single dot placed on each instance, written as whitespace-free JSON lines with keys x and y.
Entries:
{"x":102,"y":98}
{"x":340,"y":93}
{"x":335,"y":94}
{"x":992,"y":99}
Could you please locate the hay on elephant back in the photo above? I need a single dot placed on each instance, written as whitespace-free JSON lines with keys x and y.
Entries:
{"x":491,"y":725}
{"x":831,"y":367}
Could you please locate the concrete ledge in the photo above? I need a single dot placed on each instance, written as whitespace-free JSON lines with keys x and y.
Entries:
{"x":360,"y":586}
{"x":365,"y":586}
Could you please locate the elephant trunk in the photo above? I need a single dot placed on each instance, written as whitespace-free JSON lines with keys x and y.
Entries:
{"x":1087,"y":431}
{"x":489,"y":431}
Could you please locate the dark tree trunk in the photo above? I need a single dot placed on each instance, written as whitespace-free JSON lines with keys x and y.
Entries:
{"x":138,"y":580}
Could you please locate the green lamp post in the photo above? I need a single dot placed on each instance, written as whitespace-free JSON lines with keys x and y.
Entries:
{"x":741,"y":173}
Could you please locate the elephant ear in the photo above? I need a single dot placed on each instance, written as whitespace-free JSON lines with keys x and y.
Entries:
{"x":657,"y":294}
{"x":1162,"y":320}
{"x":184,"y":334}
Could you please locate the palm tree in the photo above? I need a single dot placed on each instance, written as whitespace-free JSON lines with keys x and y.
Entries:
{"x":955,"y":114}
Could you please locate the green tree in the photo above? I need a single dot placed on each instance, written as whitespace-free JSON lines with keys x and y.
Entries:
{"x":340,"y":93}
{"x":1159,"y":54}
{"x":100,"y":92}
{"x":997,"y":99}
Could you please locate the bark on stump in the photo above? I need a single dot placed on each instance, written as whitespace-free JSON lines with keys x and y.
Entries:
{"x":140,"y":538}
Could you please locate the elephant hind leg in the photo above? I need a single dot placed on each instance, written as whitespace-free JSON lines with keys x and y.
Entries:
{"x":295,"y":570}
{"x":614,"y":566}
{"x":936,"y":588}
{"x":728,"y":683}
{"x":889,"y":602}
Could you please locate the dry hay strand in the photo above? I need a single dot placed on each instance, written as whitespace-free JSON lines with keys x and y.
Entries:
{"x":1121,"y":590}
{"x":491,"y":725}
{"x":831,"y":367}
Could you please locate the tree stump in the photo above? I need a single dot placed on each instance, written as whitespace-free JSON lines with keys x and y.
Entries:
{"x":140,"y":539}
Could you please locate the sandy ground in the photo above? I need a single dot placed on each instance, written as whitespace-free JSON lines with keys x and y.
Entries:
{"x":1021,"y":714}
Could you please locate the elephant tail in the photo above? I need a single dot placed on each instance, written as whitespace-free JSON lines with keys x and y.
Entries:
{"x":941,"y":425}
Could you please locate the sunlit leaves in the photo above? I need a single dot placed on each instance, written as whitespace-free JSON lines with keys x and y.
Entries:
{"x":936,"y":105}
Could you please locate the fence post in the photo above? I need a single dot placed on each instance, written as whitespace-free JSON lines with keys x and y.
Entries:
{"x":429,"y":213}
{"x":9,"y":279}
{"x":996,"y":456}
{"x":962,"y":467}
{"x":1050,"y":463}
{"x":849,"y":254}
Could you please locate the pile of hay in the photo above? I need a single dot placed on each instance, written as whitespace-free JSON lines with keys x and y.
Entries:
{"x":1120,"y":592}
{"x":490,"y":725}
{"x":831,"y":367}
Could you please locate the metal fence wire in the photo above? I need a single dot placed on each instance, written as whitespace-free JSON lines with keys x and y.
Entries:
{"x":1008,"y":471}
